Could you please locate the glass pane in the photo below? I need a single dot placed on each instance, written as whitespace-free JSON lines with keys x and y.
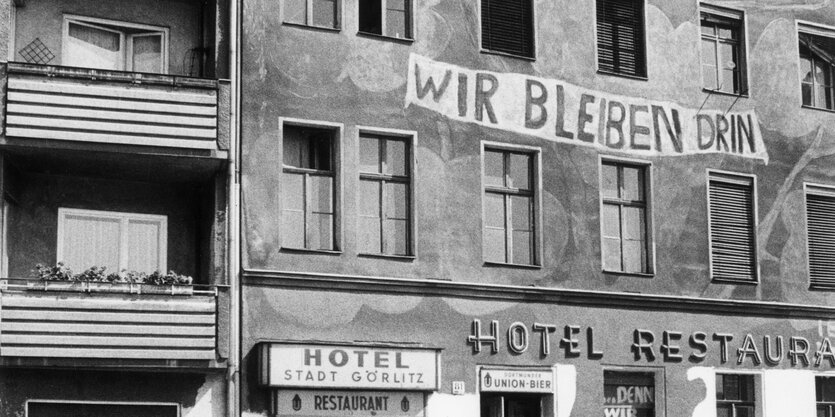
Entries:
{"x":522,"y":213}
{"x":731,"y":387}
{"x":397,"y":237}
{"x":820,"y":72}
{"x":396,"y":157}
{"x":633,"y":184}
{"x":143,"y":246}
{"x":820,"y":96}
{"x":396,"y":23}
{"x":494,"y":245}
{"x":520,"y":167}
{"x":321,"y":231}
{"x":709,"y":77}
{"x":633,"y":223}
{"x":744,"y":411}
{"x":292,"y":210}
{"x":611,"y":221}
{"x":370,"y":16}
{"x":611,"y":254}
{"x":324,"y":13}
{"x":370,"y":198}
{"x":522,"y":247}
{"x":147,"y":53}
{"x":821,"y":411}
{"x":397,"y":205}
{"x":723,"y":410}
{"x":708,"y":53}
{"x":729,"y":81}
{"x":321,"y":194}
{"x":291,"y":147}
{"x":633,"y":256}
{"x":93,"y":47}
{"x":91,"y":241}
{"x":806,"y":69}
{"x":610,"y":181}
{"x":726,"y":32}
{"x":720,"y":387}
{"x":829,"y":93}
{"x":708,"y":28}
{"x":494,"y":168}
{"x":828,"y":388}
{"x":806,"y":90}
{"x":295,"y":11}
{"x":494,"y":211}
{"x":396,"y":4}
{"x":370,"y":155}
{"x":369,"y":236}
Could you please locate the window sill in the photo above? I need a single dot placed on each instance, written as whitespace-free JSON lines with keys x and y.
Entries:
{"x":407,"y":41}
{"x":405,"y":258}
{"x":520,"y":266}
{"x":509,"y":55}
{"x":629,"y":274}
{"x":320,"y":28}
{"x":818,"y":108}
{"x":312,"y":251}
{"x":734,"y":281}
{"x":724,"y":93}
{"x":627,"y":76}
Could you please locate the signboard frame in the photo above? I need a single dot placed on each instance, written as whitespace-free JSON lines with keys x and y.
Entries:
{"x":551,"y":389}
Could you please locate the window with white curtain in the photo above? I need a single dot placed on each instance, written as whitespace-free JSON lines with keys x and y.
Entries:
{"x":114,"y":45}
{"x":129,"y":241}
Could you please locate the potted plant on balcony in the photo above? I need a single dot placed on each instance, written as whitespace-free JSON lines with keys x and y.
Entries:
{"x":96,"y":279}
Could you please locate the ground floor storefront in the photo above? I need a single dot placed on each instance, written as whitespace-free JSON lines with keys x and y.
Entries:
{"x":378,"y":350}
{"x":108,"y":393}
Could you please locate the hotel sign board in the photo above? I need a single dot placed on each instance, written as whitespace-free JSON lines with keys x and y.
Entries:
{"x":349,"y":366}
{"x":324,"y":403}
{"x":516,"y":380}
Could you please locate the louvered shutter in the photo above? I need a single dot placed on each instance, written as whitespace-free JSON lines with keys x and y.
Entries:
{"x":820,"y":227}
{"x":620,"y":37}
{"x":732,"y":236}
{"x":507,"y":26}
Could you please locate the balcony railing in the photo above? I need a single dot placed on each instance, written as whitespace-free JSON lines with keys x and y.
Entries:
{"x":107,"y":321}
{"x":86,"y":105}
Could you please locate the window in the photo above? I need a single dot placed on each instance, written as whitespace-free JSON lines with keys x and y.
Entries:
{"x":817,"y":60}
{"x":620,"y":37}
{"x":820,"y":231}
{"x":307,"y":188}
{"x":509,"y":207}
{"x":58,"y":408}
{"x":732,"y":224}
{"x":723,"y":52}
{"x":385,"y":194}
{"x":825,"y":395}
{"x":734,"y":395}
{"x":317,"y":13}
{"x":511,"y":405}
{"x":507,"y":26}
{"x":118,"y":241}
{"x":390,"y":18}
{"x":628,"y":394}
{"x":625,"y":218}
{"x":113,"y":45}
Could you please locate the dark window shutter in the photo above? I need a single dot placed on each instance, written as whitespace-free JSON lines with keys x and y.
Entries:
{"x":620,"y":37}
{"x":820,"y":225}
{"x":507,"y":26}
{"x":732,"y":240}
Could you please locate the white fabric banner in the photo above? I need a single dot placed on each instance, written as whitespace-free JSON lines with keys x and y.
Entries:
{"x":561,"y":112}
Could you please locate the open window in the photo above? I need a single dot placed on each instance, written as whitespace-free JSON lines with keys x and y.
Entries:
{"x":817,"y":63}
{"x":113,"y":45}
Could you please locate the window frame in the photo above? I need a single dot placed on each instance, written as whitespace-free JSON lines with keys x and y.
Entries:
{"x":646,"y":168}
{"x":411,"y":138}
{"x":535,"y":154}
{"x":659,"y":382}
{"x":822,"y":191}
{"x":533,"y":40}
{"x":756,"y":402}
{"x":547,"y":403}
{"x":723,"y":176}
{"x":308,"y":17}
{"x":124,"y":218}
{"x":410,"y":23}
{"x":821,"y":30}
{"x":644,"y":44}
{"x":177,"y":406}
{"x":126,"y":63}
{"x":829,"y":404}
{"x":336,"y":152}
{"x":727,"y":13}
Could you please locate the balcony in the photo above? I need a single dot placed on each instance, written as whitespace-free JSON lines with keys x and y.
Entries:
{"x":123,"y":112}
{"x":117,"y":325}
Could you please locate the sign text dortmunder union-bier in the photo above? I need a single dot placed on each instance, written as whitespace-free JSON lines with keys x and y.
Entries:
{"x":555,"y":110}
{"x":668,"y":345}
{"x":330,"y":366}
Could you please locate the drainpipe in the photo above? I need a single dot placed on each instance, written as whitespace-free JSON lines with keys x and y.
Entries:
{"x":233,"y":378}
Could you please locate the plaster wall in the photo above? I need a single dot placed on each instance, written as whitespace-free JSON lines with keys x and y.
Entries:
{"x":34,"y":217}
{"x":44,"y":20}
{"x":342,"y":77}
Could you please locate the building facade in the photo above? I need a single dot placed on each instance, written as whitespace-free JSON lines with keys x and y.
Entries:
{"x":115,"y":150}
{"x":523,"y":208}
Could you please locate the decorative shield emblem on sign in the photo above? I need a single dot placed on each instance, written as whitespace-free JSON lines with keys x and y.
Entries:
{"x":488,"y":380}
{"x":297,"y":403}
{"x":404,"y":405}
